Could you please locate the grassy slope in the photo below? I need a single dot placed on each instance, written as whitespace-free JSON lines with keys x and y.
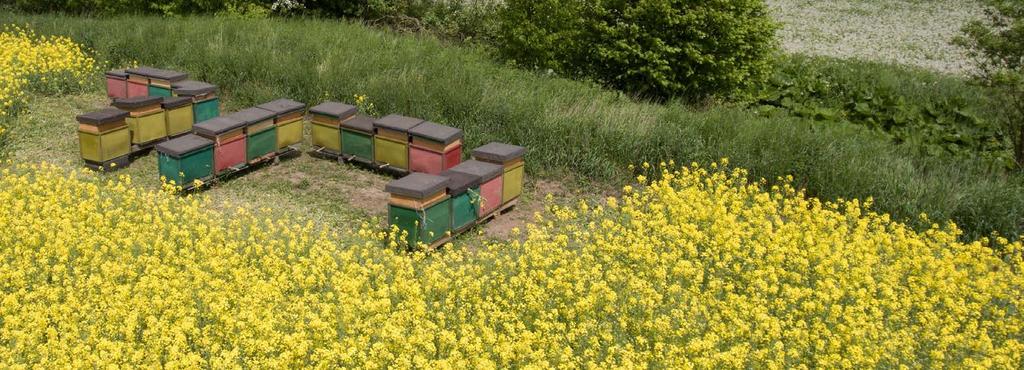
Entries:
{"x":569,"y":126}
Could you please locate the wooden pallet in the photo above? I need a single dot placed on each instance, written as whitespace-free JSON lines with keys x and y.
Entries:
{"x":324,"y":153}
{"x":505,"y":208}
{"x":110,"y":165}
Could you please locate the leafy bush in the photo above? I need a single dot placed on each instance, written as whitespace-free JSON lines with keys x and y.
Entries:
{"x":929,"y":113}
{"x":998,"y":43}
{"x":660,"y":48}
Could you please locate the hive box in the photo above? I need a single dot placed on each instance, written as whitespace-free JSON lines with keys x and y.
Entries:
{"x":205,"y":104}
{"x":145,"y":118}
{"x":420,"y":207}
{"x":357,"y":138}
{"x":326,"y":118}
{"x":136,"y":85}
{"x":489,"y":175}
{"x":117,"y":84}
{"x":178,"y":115}
{"x":228,"y":135}
{"x":260,"y":132}
{"x":434,"y":148}
{"x":159,"y":80}
{"x":391,"y":140}
{"x":185,"y":159}
{"x":464,"y":197}
{"x":288,"y":116}
{"x":511,"y":158}
{"x":103,"y":137}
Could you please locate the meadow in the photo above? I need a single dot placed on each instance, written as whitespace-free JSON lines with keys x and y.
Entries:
{"x":572,"y":127}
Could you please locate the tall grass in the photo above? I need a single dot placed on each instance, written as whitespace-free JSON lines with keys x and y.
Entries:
{"x":568,"y":125}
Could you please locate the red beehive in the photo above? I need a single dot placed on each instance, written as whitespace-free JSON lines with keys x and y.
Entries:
{"x":137,"y":83}
{"x":229,"y":141}
{"x":434,"y":148}
{"x":117,"y":84}
{"x":490,"y":183}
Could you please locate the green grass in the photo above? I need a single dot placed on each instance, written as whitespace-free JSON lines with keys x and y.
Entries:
{"x":569,"y":127}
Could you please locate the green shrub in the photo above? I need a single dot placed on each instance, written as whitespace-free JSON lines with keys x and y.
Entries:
{"x":932,"y":114}
{"x":998,"y":44}
{"x":657,"y":48}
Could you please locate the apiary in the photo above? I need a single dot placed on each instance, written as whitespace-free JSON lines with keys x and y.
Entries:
{"x":288,"y":118}
{"x":177,"y":115}
{"x":104,"y":137}
{"x":357,"y":138}
{"x":205,"y":103}
{"x":490,"y":179}
{"x":228,"y":135}
{"x":434,"y":148}
{"x":117,"y":84}
{"x":464,"y":196}
{"x":145,"y":118}
{"x":510,"y":157}
{"x":260,"y":132}
{"x":391,"y":140}
{"x":419,"y":206}
{"x":326,"y":119}
{"x":185,"y":159}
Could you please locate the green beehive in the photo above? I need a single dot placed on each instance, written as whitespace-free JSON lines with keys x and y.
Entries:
{"x":160,"y":80}
{"x":357,"y":138}
{"x":288,"y":119}
{"x":205,"y":104}
{"x":420,"y":207}
{"x":326,"y":118}
{"x":261,"y":133}
{"x":464,"y":193}
{"x":185,"y":159}
{"x":511,"y":158}
{"x":103,"y":135}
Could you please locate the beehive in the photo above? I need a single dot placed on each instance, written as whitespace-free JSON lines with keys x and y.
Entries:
{"x":228,"y":135}
{"x":391,"y":140}
{"x":159,"y":81}
{"x":185,"y":159}
{"x":103,"y":135}
{"x":464,"y":193}
{"x":434,"y":148}
{"x":288,"y":115}
{"x":511,"y":158}
{"x":145,"y":118}
{"x":490,"y":178}
{"x":205,"y":103}
{"x":117,"y":84}
{"x":260,"y":132}
{"x":357,"y":138}
{"x":178,"y":115}
{"x":137,"y":83}
{"x":326,"y":118}
{"x":420,"y":207}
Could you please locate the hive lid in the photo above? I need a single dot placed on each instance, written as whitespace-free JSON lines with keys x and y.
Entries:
{"x":160,"y":74}
{"x":359,"y":123}
{"x":193,"y":88}
{"x":483,"y":170}
{"x":176,"y":101}
{"x":417,"y":185}
{"x":217,"y":125}
{"x":440,"y":133}
{"x":120,"y":73}
{"x":397,"y":122}
{"x":102,"y":116}
{"x":138,"y":101}
{"x":183,"y":145}
{"x":253,"y":115}
{"x":459,"y":182}
{"x":334,"y":109}
{"x":498,"y":152}
{"x":282,"y":106}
